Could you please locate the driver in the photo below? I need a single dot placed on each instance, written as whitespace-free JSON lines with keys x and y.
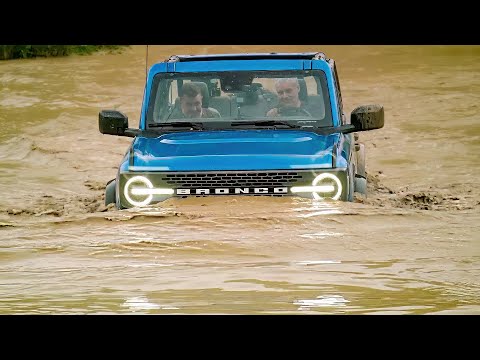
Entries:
{"x":191,"y":104}
{"x":288,"y":98}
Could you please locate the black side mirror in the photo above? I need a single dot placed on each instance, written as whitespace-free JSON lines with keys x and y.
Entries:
{"x":367,"y":117}
{"x":112,"y":122}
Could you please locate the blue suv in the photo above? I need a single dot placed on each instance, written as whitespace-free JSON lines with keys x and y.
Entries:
{"x":253,"y":124}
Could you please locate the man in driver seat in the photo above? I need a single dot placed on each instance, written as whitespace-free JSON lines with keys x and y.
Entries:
{"x":289,"y":102}
{"x":191,"y":104}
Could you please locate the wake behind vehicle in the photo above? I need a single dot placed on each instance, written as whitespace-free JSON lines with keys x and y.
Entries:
{"x":255,"y":124}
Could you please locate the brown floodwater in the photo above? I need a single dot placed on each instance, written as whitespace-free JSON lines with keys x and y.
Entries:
{"x":411,"y":247}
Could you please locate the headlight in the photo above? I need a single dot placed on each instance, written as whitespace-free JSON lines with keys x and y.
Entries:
{"x":135,"y":197}
{"x":331,"y":181}
{"x":323,"y":186}
{"x":141,"y":190}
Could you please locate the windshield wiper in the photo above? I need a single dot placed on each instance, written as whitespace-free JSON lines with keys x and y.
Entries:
{"x":328,"y":130}
{"x":265,"y":123}
{"x":193,"y":125}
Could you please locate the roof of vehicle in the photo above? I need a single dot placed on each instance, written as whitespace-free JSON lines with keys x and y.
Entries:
{"x":248,"y":56}
{"x":241,"y":62}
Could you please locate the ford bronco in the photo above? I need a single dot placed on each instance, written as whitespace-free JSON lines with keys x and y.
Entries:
{"x":236,"y":133}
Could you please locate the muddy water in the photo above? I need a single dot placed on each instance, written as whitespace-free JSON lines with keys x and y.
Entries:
{"x":411,"y":247}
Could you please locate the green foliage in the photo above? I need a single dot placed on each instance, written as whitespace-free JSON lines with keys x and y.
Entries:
{"x":32,"y":51}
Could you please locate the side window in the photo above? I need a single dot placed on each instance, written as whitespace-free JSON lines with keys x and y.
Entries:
{"x":311,"y":85}
{"x":314,"y":100}
{"x":165,"y":96}
{"x":339,"y":95}
{"x":173,"y":92}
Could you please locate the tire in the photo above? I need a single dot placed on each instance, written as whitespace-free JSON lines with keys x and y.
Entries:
{"x":360,"y":175}
{"x":110,"y":192}
{"x":351,"y":184}
{"x":361,"y":160}
{"x":361,"y":185}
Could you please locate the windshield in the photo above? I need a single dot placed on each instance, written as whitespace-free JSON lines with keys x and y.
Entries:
{"x":236,"y":99}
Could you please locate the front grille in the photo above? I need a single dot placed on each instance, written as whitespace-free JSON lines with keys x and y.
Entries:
{"x":275,"y":183}
{"x":232,"y":179}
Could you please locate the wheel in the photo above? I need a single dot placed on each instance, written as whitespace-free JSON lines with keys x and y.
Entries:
{"x":351,"y":185}
{"x":361,"y":175}
{"x":361,"y":185}
{"x":360,"y":159}
{"x":110,"y":192}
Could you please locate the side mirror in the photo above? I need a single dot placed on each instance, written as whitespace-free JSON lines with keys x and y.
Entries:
{"x":367,"y":117}
{"x":113,"y":122}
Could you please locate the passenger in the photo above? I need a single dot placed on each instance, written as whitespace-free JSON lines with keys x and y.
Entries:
{"x":289,"y":103}
{"x":191,"y":104}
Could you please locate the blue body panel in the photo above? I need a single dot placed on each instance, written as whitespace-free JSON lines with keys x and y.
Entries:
{"x":235,"y":150}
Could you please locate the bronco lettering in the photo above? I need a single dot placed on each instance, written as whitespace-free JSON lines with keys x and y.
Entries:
{"x":226,"y":191}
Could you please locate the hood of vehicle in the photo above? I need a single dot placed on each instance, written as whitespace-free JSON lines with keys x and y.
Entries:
{"x":233,"y":150}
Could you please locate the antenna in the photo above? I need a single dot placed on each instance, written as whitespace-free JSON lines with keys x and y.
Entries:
{"x":146,"y":65}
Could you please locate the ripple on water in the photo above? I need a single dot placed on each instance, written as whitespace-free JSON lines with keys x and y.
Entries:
{"x":322,"y":301}
{"x":142,"y":303}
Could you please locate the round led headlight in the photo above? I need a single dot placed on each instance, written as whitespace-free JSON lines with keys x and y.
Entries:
{"x":329,"y":181}
{"x":138,"y":182}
